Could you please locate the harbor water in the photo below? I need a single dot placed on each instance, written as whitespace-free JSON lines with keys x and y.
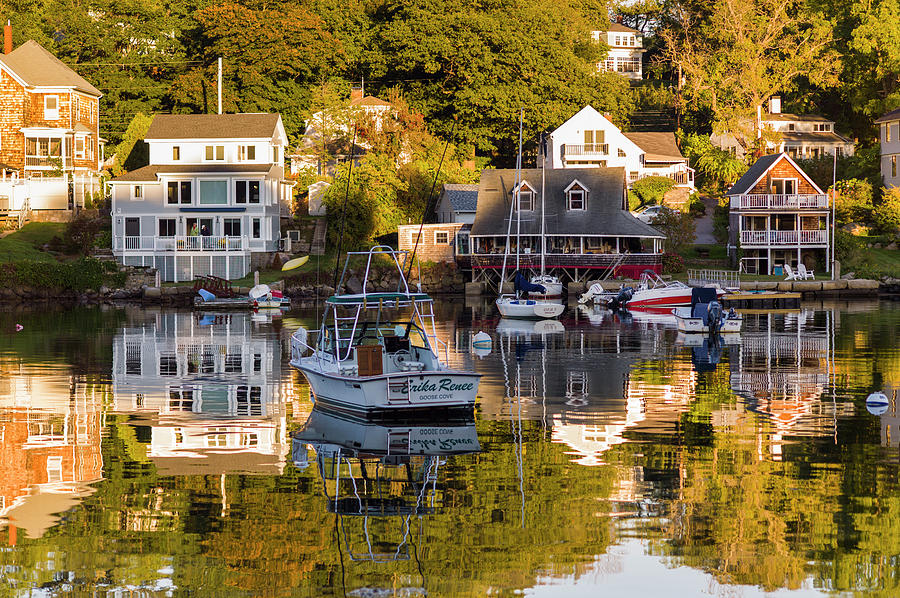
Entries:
{"x":156,"y":452}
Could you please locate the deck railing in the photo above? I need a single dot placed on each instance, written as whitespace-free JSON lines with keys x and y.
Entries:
{"x":761,"y":201}
{"x":181,"y":243}
{"x":588,"y":149}
{"x":784,"y":237}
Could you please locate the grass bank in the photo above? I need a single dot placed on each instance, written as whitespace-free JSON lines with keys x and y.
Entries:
{"x":25,"y":244}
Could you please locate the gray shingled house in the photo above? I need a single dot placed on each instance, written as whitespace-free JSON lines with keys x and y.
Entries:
{"x":209,"y":202}
{"x":587,"y":225}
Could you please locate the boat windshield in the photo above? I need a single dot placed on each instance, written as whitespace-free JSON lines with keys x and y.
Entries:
{"x":374,"y":333}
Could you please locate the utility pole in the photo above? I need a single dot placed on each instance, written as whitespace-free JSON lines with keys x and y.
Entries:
{"x":219,"y":86}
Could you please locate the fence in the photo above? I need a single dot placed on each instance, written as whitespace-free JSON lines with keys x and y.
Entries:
{"x":724,"y":279}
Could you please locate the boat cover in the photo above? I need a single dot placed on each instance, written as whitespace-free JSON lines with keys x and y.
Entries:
{"x":521,"y":284}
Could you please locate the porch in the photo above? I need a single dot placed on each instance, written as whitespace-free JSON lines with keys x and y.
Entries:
{"x":757,"y":201}
{"x":775,"y":238}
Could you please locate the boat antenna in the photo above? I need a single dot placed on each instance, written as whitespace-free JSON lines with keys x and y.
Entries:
{"x":426,"y":212}
{"x":337,"y":258}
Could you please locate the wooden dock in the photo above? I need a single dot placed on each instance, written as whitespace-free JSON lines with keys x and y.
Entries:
{"x":763,"y":300}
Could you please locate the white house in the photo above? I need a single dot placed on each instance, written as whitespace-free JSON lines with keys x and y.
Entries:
{"x":210,"y":200}
{"x":590,"y":140}
{"x":889,"y":136}
{"x":800,"y":135}
{"x":625,"y":50}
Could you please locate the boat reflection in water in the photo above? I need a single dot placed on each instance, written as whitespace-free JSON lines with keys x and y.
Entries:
{"x":378,"y":476}
{"x":207,"y":386}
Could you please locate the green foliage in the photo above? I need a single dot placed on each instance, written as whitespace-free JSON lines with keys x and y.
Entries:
{"x":82,"y":232}
{"x":678,"y":227}
{"x":720,"y":166}
{"x":85,"y":273}
{"x":853,"y":202}
{"x":697,"y":208}
{"x":26,"y":243}
{"x":634,"y":202}
{"x":887,"y":213}
{"x":650,"y":190}
{"x":720,"y":220}
{"x":133,"y":152}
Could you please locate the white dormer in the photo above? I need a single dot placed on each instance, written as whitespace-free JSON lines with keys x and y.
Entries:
{"x":524,"y":194}
{"x":576,"y":196}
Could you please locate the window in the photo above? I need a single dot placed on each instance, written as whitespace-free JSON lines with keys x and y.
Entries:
{"x":231,"y":227}
{"x":168,"y":364}
{"x":51,"y":107}
{"x":217,"y":437}
{"x":215,"y":152}
{"x":133,"y":358}
{"x":166,"y":227}
{"x":79,"y":148}
{"x":137,"y":192}
{"x":54,"y":470}
{"x":256,"y":228}
{"x":525,"y":200}
{"x":246,"y":152}
{"x":212,"y":192}
{"x":176,"y":152}
{"x":576,"y":197}
{"x":132,"y":227}
{"x":784,"y":186}
{"x":181,"y":400}
{"x":621,"y":153}
{"x":441,"y":237}
{"x":791,"y":126}
{"x":246,"y":191}
{"x":893,"y":166}
{"x":618,"y":40}
{"x":887,"y":131}
{"x":821,"y":127}
{"x":178,"y":192}
{"x":275,"y":154}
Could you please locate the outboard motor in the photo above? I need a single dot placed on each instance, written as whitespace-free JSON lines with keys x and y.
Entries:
{"x":715,"y":316}
{"x":621,"y":300}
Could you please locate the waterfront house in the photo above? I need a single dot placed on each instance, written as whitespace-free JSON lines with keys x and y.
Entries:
{"x":798,"y":135}
{"x":889,"y":137}
{"x":626,"y":49}
{"x":778,"y":215}
{"x":588,"y":229}
{"x":50,"y":146}
{"x":441,"y":242}
{"x":457,"y":203}
{"x":590,"y":140}
{"x":210,"y":200}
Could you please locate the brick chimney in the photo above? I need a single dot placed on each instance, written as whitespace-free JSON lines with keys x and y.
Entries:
{"x":7,"y":38}
{"x":356,"y":93}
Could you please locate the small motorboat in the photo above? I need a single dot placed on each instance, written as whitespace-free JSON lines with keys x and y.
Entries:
{"x":377,"y":354}
{"x":261,"y":296}
{"x":706,"y":314}
{"x":651,"y":291}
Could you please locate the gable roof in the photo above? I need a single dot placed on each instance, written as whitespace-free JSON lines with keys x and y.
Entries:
{"x":620,"y":28}
{"x":788,"y":117}
{"x":152,"y":172}
{"x":605,"y":214}
{"x":462,"y":197}
{"x":214,"y":126}
{"x":39,"y":68}
{"x":892,"y":115}
{"x":759,"y":169}
{"x":370,"y":101}
{"x":658,"y":147}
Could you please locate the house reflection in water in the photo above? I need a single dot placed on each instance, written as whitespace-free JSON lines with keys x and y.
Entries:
{"x":208,"y":389}
{"x":50,"y":436}
{"x":782,"y":370}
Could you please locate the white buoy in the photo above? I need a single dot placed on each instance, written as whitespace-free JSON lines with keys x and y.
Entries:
{"x":482,"y":340}
{"x":877,"y":403}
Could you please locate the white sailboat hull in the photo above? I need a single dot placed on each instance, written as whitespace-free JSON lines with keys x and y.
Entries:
{"x":687,"y":324}
{"x":402,"y":392}
{"x":510,"y":307}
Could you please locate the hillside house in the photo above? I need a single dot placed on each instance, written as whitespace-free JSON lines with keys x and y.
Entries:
{"x":802,"y":136}
{"x":50,"y":145}
{"x":626,"y":51}
{"x":457,"y":203}
{"x":587,"y":226}
{"x":889,"y":138}
{"x":778,"y":215}
{"x":591,"y":140}
{"x":209,"y":202}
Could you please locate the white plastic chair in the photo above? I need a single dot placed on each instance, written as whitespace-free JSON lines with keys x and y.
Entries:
{"x":791,"y":275}
{"x":803,"y":273}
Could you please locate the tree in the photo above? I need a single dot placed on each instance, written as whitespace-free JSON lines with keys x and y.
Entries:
{"x":737,"y":53}
{"x":887,"y":212}
{"x":678,"y":227}
{"x":853,"y":201}
{"x":133,"y":152}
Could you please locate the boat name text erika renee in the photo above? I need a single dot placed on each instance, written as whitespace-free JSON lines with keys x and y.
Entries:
{"x":443,"y":384}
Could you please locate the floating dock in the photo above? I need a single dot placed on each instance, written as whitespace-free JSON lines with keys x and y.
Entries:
{"x":763,"y":300}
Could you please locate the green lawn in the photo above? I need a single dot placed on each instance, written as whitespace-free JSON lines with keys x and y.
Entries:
{"x":886,"y":260}
{"x":24,"y":244}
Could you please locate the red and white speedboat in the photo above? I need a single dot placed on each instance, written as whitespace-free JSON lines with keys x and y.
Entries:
{"x":652,"y":291}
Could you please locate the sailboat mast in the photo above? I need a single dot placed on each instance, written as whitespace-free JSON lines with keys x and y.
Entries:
{"x":543,"y":240}
{"x":519,"y":191}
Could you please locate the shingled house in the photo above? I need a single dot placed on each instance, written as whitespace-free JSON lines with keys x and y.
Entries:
{"x":50,"y":146}
{"x":209,"y":202}
{"x":587,"y":225}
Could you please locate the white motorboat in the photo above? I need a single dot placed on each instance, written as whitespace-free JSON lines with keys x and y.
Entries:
{"x":511,"y":306}
{"x":261,"y":296}
{"x":705,"y":314}
{"x":376,"y":353}
{"x":652,"y":291}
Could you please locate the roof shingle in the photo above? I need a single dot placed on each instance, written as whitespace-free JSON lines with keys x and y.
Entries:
{"x":462,"y":197}
{"x":151,"y":173}
{"x":658,"y":147}
{"x":39,"y":68}
{"x":213,"y":126}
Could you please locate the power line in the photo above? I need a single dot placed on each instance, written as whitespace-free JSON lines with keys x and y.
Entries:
{"x":124,"y":64}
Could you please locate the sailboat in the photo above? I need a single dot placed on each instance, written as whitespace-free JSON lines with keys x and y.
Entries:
{"x":553,"y":287}
{"x":514,"y":306}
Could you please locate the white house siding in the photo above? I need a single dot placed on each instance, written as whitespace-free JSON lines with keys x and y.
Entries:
{"x":564,"y":143}
{"x":889,"y":135}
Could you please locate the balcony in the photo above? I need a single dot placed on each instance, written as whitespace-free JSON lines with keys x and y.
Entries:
{"x":774,"y":238}
{"x":779,"y":202}
{"x":181,"y":243}
{"x":682,"y":177}
{"x":588,"y":150}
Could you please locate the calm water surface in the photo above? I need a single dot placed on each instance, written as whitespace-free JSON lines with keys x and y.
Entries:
{"x":165,"y":453}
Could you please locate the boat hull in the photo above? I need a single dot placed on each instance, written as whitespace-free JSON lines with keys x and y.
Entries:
{"x":553,"y":289}
{"x":528,"y":309}
{"x":688,"y":324}
{"x":677,"y":297}
{"x":405,"y":394}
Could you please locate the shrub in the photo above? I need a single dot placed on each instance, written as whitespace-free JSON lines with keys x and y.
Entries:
{"x":672,"y":263}
{"x":697,"y":208}
{"x":82,"y":232}
{"x":720,"y":220}
{"x":650,"y":190}
{"x":887,"y":213}
{"x":85,"y":273}
{"x":678,"y":227}
{"x":853,"y":201}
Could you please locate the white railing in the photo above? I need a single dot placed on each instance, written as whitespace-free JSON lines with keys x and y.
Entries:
{"x":24,"y":212}
{"x":725,"y":279}
{"x":784,"y":237}
{"x":681,"y":177}
{"x":779,"y":202}
{"x":588,"y":149}
{"x":181,"y":243}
